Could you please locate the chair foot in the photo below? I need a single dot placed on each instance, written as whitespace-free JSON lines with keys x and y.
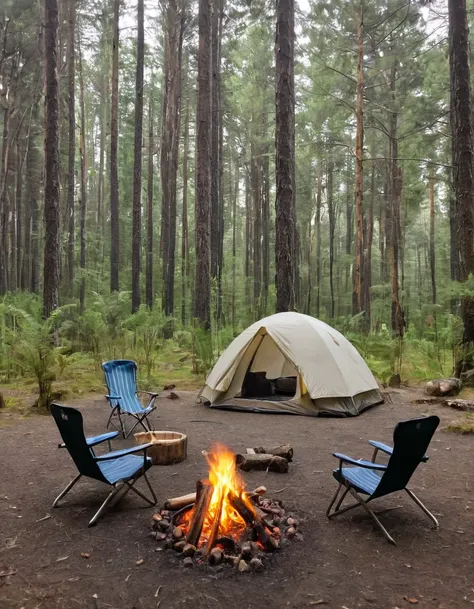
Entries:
{"x":423,"y":507}
{"x":100,"y":511}
{"x":66,"y":490}
{"x":363,"y":503}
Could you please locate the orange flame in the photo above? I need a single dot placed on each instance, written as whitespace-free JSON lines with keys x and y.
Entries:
{"x":224,"y":479}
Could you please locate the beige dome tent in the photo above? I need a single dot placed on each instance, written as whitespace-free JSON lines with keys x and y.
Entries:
{"x":292,"y":363}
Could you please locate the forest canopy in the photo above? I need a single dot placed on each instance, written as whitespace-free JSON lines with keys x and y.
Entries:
{"x":172,"y":171}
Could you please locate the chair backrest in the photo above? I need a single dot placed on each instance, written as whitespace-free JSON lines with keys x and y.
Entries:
{"x":71,"y":427}
{"x":121,"y":379}
{"x":410,"y":443}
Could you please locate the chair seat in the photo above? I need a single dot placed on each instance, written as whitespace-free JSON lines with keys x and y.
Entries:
{"x":122,"y":468}
{"x":364,"y":480}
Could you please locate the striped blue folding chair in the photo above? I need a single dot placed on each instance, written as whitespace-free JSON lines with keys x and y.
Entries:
{"x":121,"y":381}
{"x":119,"y":469}
{"x":367,"y":480}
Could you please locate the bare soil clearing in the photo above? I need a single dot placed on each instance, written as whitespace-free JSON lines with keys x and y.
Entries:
{"x":344,"y":563}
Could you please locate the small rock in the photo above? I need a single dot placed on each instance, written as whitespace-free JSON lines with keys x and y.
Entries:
{"x":290,"y":522}
{"x":178,"y":533}
{"x":255,"y":547}
{"x":139,"y":562}
{"x":163,"y":524}
{"x":188,"y":562}
{"x":179,"y":545}
{"x":246,"y":550}
{"x":291,"y":532}
{"x":215,"y":557}
{"x":189,"y":550}
{"x":243,"y":567}
{"x":256,"y":565}
{"x":157,"y":517}
{"x":173,"y":396}
{"x":165,"y":513}
{"x":369,"y":596}
{"x":169,"y":387}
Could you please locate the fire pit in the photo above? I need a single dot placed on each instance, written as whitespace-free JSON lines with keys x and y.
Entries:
{"x":222,"y":523}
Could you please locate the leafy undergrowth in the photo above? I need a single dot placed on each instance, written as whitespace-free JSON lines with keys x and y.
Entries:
{"x":464,"y":425}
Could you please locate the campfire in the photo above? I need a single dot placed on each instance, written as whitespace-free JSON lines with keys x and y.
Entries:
{"x":221,"y":522}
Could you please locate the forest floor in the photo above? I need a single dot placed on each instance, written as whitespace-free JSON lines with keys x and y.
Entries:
{"x":343,"y":564}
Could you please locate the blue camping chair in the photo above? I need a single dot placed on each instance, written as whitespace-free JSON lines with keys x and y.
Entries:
{"x":119,"y":469}
{"x":121,"y":381}
{"x":410,"y":441}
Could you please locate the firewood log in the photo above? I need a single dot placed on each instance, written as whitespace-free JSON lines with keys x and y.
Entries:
{"x":204,"y":494}
{"x":262,"y":462}
{"x":449,"y":386}
{"x":176,"y":503}
{"x":285,"y":451}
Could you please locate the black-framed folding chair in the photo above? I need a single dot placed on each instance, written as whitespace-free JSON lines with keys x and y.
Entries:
{"x":410,"y":441}
{"x":120,"y":469}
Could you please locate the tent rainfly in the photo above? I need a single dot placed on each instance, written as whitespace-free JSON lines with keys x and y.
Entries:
{"x":292,"y":363}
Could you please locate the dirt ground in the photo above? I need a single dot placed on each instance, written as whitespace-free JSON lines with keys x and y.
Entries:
{"x":343,"y":564}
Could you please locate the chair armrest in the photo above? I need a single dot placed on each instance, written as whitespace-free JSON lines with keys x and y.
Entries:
{"x":113,"y":397}
{"x":362,"y":463}
{"x":123,"y":453}
{"x":388,"y":450}
{"x":151,"y":393}
{"x":94,"y":440}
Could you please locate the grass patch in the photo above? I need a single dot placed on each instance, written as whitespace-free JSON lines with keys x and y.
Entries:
{"x":464,"y":425}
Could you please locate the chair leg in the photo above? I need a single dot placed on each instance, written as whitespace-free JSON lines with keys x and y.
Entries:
{"x":374,"y":456}
{"x":363,"y":503}
{"x":66,"y":490}
{"x":101,"y":510}
{"x":328,"y":511}
{"x":132,"y":488}
{"x":422,"y":506}
{"x":111,"y":415}
{"x":122,"y":425}
{"x":339,"y":503}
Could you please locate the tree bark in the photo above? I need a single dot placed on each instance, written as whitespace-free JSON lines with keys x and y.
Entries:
{"x":184,"y":228}
{"x":359,"y":187}
{"x":137,"y":160}
{"x":431,"y":181}
{"x":235,"y":197}
{"x":463,"y":181}
{"x":83,"y":208}
{"x":318,"y":241}
{"x":71,"y":58}
{"x":285,"y":156}
{"x":174,"y":30}
{"x":332,"y":229}
{"x":51,"y":189}
{"x":202,"y":301}
{"x":114,"y":183}
{"x":149,"y":219}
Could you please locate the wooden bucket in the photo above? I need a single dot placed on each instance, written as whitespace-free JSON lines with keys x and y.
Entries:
{"x":168,"y":446}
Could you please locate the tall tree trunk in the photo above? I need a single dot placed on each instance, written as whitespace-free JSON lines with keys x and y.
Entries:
{"x":83,"y":212}
{"x":318,"y":241}
{"x":184,"y":232}
{"x":248,"y":235}
{"x":235,"y":198}
{"x":4,"y":203}
{"x":71,"y":58}
{"x":332,"y":229}
{"x":216,"y":195}
{"x":256,"y":189}
{"x":103,"y":109}
{"x":51,"y":188}
{"x":395,"y":192}
{"x":19,"y":213}
{"x":265,"y":169}
{"x":285,"y":156}
{"x":431,"y":181}
{"x":463,"y":181}
{"x":137,"y":161}
{"x":149,"y":218}
{"x":202,"y":303}
{"x":174,"y":24}
{"x":349,"y":222}
{"x":359,"y":187}
{"x":114,"y":183}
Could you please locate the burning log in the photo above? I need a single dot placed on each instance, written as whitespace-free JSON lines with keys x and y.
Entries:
{"x":203,"y":499}
{"x":262,"y":462}
{"x":285,"y":451}
{"x":176,"y":503}
{"x":215,"y":525}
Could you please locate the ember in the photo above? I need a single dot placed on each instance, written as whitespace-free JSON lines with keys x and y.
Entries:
{"x":224,"y":523}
